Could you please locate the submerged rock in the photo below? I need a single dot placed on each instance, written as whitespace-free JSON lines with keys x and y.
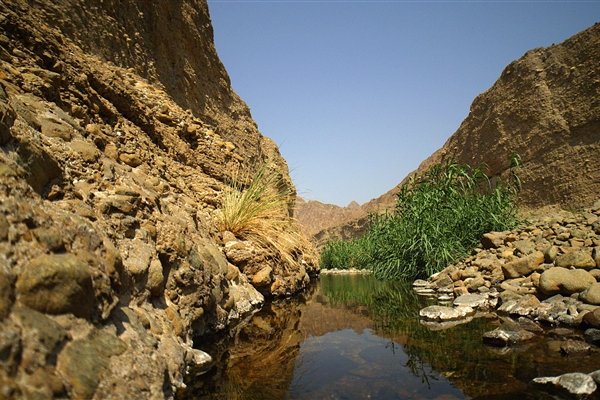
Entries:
{"x":441,"y":313}
{"x":508,"y":334}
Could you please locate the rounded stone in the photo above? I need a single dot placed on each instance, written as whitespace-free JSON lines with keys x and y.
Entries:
{"x":577,"y":259}
{"x":262,"y":277}
{"x":57,"y":284}
{"x":592,"y":318}
{"x":591,"y":295}
{"x":565,"y":281}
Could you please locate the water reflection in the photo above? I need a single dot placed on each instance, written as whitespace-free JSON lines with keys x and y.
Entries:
{"x":353,"y":337}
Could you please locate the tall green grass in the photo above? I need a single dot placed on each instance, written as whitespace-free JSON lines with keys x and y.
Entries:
{"x":439,"y":217}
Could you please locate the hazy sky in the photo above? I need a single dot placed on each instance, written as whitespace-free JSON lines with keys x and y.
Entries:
{"x":358,"y":93}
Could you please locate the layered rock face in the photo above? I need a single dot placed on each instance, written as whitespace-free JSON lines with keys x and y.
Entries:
{"x":546,"y":108}
{"x":118,"y":132}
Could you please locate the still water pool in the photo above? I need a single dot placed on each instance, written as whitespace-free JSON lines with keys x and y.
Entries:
{"x":353,"y":337}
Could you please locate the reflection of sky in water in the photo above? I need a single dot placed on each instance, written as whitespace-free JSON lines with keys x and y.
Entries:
{"x":347,"y":365}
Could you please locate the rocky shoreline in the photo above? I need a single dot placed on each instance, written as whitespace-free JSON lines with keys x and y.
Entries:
{"x":538,"y":277}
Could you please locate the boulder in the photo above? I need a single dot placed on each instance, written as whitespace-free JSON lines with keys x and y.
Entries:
{"x":565,"y":281}
{"x":523,"y":266}
{"x":155,"y":277}
{"x":83,"y":361}
{"x":574,"y":348}
{"x":7,"y":119}
{"x":550,"y":254}
{"x":596,"y":256}
{"x":40,"y":167}
{"x":87,"y":151}
{"x":443,"y":325}
{"x":524,"y":246}
{"x":475,"y":283}
{"x":592,"y":336}
{"x":572,"y":384}
{"x":550,"y":309}
{"x":592,"y":318}
{"x":7,"y":297}
{"x":577,"y":259}
{"x":525,"y":305}
{"x":41,"y":338}
{"x":138,"y":258}
{"x":591,"y":295}
{"x":57,"y":284}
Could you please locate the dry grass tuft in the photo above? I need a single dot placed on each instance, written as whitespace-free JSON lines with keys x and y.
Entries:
{"x":259,"y":212}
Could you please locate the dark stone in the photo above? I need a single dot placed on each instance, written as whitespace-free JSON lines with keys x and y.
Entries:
{"x":83,"y":361}
{"x":574,"y":348}
{"x":592,"y":336}
{"x":7,"y":119}
{"x":57,"y":284}
{"x":7,"y":296}
{"x":577,"y":259}
{"x":592,"y":318}
{"x":40,"y":168}
{"x":566,"y":281}
{"x":41,"y":336}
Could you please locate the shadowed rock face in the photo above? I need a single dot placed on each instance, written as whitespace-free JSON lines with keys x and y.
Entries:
{"x":118,"y":132}
{"x":545,"y":107}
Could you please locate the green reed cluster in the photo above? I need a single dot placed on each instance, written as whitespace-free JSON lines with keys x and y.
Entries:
{"x":439,"y":217}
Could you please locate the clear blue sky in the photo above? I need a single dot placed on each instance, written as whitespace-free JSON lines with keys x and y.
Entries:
{"x":358,"y":93}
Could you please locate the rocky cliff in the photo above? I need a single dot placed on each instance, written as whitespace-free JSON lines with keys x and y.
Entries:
{"x":544,"y":107}
{"x":315,"y":216}
{"x":118,"y":132}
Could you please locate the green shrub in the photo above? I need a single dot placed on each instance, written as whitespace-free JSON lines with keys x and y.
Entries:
{"x":342,"y":254}
{"x":439,"y":217}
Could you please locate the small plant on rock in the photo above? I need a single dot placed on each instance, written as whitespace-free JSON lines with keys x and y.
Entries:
{"x":259,"y":212}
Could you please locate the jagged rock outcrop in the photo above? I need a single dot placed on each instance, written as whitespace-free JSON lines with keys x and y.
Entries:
{"x":118,"y":132}
{"x":544,"y":107}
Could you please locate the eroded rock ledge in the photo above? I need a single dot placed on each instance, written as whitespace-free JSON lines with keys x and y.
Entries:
{"x":111,"y":262}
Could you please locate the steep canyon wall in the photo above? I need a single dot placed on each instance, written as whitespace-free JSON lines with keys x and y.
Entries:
{"x":118,"y":132}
